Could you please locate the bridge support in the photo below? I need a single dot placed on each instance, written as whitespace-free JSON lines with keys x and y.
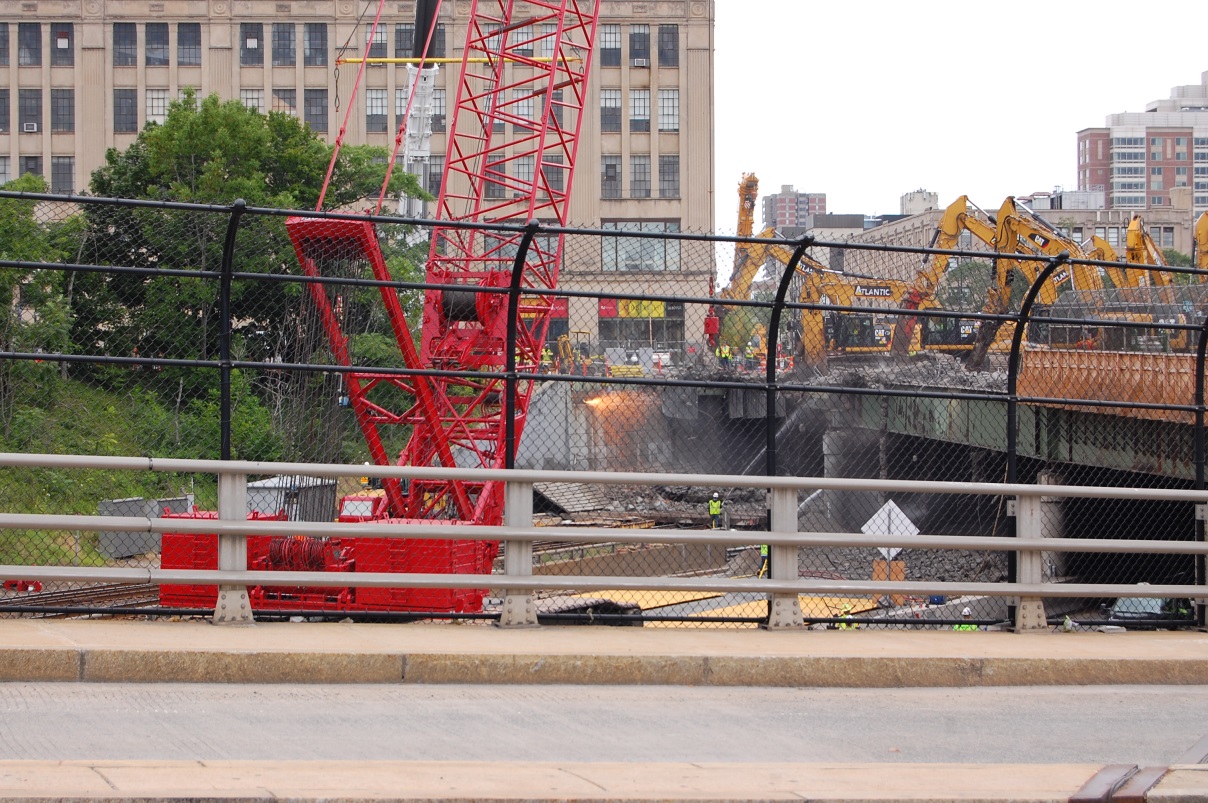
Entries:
{"x":234,"y":607}
{"x":519,"y":609}
{"x":1029,"y":611}
{"x":784,"y":609}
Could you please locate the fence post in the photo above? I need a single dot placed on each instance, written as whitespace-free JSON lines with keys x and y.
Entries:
{"x":1201,"y":355}
{"x":233,"y":607}
{"x":513,"y":323}
{"x":1029,"y":566}
{"x":785,"y":609}
{"x":519,"y":610}
{"x":772,"y":345}
{"x":224,"y":347}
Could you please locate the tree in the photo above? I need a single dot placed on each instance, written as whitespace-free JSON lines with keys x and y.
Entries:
{"x":211,"y":151}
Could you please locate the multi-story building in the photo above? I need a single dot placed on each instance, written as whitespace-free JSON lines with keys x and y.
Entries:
{"x":790,"y":208}
{"x":1139,"y":157}
{"x":79,"y":78}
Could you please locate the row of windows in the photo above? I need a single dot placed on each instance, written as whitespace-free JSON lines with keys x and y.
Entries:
{"x":62,"y":170}
{"x":639,"y":45}
{"x":640,"y":253}
{"x":30,"y":112}
{"x":639,"y":110}
{"x":125,"y":106}
{"x":639,"y":176}
{"x":29,"y":44}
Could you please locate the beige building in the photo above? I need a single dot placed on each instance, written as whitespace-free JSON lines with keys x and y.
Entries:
{"x":80,"y":76}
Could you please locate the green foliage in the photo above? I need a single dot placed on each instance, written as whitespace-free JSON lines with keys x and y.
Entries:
{"x":1176,"y":258}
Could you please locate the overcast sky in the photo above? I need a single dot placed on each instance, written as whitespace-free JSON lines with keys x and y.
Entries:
{"x":866,"y":101}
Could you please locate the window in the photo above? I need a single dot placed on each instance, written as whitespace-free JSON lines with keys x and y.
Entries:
{"x":1155,"y":149}
{"x":668,"y":45}
{"x":62,"y":174}
{"x":3,"y":44}
{"x":610,"y":176}
{"x":404,"y":40}
{"x":547,"y":44}
{"x":556,"y":107}
{"x":1180,"y":176}
{"x":62,"y":110}
{"x":285,"y":101}
{"x":29,"y":110}
{"x":669,"y":181}
{"x":438,"y":42}
{"x":62,"y":44}
{"x":375,"y":110}
{"x":639,"y":110}
{"x":157,"y":105}
{"x":522,"y":107}
{"x":522,"y":41}
{"x":554,"y":171}
{"x":188,"y":44}
{"x":285,"y":48}
{"x":315,"y":108}
{"x":4,"y":113}
{"x":125,"y":44}
{"x":438,"y":110}
{"x":157,"y":44}
{"x":251,"y":39}
{"x":640,"y":254}
{"x":610,"y":45}
{"x":494,"y":189}
{"x":436,"y":167}
{"x":314,"y":53}
{"x":1167,"y":240}
{"x":524,"y":170}
{"x":1157,"y":200}
{"x":6,"y":173}
{"x":1155,"y":178}
{"x":610,"y":110}
{"x":639,"y":176}
{"x":668,"y":110}
{"x":125,"y":111}
{"x":31,"y":164}
{"x":376,"y":39}
{"x":639,"y":45}
{"x":488,"y":102}
{"x":29,"y":44}
{"x":251,"y":98}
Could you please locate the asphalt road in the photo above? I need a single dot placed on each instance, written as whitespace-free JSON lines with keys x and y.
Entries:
{"x":1105,"y":724}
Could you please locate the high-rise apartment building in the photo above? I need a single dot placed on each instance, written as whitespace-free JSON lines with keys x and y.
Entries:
{"x":78,"y":78}
{"x":790,"y":208}
{"x":1139,"y":157}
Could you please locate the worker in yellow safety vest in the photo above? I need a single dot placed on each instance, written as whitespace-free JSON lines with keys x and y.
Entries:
{"x":715,"y":511}
{"x":723,"y":355}
{"x":763,"y":560}
{"x":966,"y":615}
{"x":847,"y":623}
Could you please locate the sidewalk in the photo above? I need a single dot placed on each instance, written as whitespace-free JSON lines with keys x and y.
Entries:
{"x":197,"y":651}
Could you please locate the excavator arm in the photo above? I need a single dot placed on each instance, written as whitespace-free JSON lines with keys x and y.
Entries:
{"x":1142,"y":250}
{"x":956,"y":220}
{"x":746,"y":264}
{"x":1201,"y":243}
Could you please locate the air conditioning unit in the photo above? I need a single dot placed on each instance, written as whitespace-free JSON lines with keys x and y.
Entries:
{"x":639,"y":63}
{"x":29,"y":128}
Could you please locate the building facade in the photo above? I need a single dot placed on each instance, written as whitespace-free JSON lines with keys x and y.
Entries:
{"x":1137,"y":158}
{"x":790,"y":208}
{"x":81,"y":76}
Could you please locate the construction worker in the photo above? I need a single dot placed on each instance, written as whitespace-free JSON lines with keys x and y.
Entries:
{"x":748,"y":357}
{"x":723,"y":355}
{"x":847,"y":623}
{"x":966,"y":615}
{"x":763,"y":560}
{"x":715,"y":511}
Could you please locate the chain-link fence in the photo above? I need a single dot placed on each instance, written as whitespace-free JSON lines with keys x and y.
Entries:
{"x":174,"y":330}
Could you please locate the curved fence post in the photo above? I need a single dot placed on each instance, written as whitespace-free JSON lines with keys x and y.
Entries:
{"x":1025,"y":567}
{"x":770,"y":385}
{"x":513,"y":321}
{"x":224,"y":313}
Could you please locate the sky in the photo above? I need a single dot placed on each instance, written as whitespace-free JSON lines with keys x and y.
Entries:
{"x":866,"y":101}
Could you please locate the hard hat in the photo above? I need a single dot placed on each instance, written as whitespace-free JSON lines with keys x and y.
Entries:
{"x":846,"y":607}
{"x":966,"y":612}
{"x":714,"y":496}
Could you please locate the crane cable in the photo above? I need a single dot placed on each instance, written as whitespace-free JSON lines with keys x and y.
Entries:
{"x":335,"y":152}
{"x":402,"y":127}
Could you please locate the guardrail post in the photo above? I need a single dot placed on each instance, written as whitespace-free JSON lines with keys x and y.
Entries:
{"x":785,"y":609}
{"x":519,"y":610}
{"x":1029,"y":566}
{"x":233,"y":607}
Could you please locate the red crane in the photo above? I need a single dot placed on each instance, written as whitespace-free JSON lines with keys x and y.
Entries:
{"x":494,"y":142}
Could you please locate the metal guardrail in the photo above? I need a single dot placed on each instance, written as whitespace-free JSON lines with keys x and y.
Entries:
{"x":518,"y":534}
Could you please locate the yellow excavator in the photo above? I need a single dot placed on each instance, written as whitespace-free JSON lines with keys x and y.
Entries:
{"x":957,"y":219}
{"x":747,"y":259}
{"x":1200,"y":251}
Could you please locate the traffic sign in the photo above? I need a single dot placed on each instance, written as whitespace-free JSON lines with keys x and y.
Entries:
{"x":889,"y":520}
